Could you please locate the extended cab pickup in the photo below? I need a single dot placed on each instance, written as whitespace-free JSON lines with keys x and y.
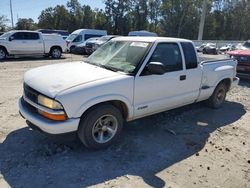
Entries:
{"x":31,"y":43}
{"x":125,"y":79}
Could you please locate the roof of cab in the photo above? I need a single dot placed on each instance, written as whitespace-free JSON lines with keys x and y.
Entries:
{"x":151,"y":39}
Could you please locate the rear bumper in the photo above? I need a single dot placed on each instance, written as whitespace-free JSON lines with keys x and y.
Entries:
{"x":243,"y":75}
{"x":46,"y":125}
{"x":235,"y":82}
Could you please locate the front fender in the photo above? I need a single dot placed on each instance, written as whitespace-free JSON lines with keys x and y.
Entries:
{"x":105,"y":98}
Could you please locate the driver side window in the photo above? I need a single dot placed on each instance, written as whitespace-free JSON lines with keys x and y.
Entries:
{"x":78,"y":38}
{"x":168,"y":54}
{"x":18,"y":36}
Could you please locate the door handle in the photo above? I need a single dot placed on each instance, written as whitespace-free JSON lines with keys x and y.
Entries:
{"x":183,"y":77}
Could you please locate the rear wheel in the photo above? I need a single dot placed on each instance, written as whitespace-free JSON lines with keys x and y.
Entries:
{"x":100,"y":126}
{"x":218,"y":97}
{"x":56,"y":53}
{"x":2,"y":54}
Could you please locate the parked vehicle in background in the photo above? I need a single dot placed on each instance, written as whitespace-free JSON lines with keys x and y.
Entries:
{"x":125,"y":79}
{"x":92,"y":45}
{"x":243,"y":58}
{"x":200,"y":48}
{"x":81,"y":48}
{"x":81,"y":35}
{"x":210,"y":48}
{"x":239,"y":46}
{"x":31,"y":43}
{"x":64,"y":33}
{"x":228,"y":47}
{"x":142,"y":33}
{"x":1,"y":33}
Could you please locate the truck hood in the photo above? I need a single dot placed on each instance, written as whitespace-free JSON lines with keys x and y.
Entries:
{"x":240,"y":53}
{"x":52,"y":79}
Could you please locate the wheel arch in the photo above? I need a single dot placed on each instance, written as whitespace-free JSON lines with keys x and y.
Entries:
{"x":227,"y":81}
{"x":116,"y":103}
{"x":55,"y":46}
{"x":121,"y":103}
{"x":4,"y":49}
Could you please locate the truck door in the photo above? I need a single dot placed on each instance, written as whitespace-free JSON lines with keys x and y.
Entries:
{"x":16,"y":43}
{"x":193,"y":70}
{"x":155,"y":93}
{"x":34,"y":43}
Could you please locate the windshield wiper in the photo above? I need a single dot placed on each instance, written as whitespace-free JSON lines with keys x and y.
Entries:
{"x":109,"y":68}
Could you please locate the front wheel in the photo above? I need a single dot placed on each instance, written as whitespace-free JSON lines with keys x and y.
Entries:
{"x":56,"y":53}
{"x":218,"y":97}
{"x":2,"y":54}
{"x":100,"y":126}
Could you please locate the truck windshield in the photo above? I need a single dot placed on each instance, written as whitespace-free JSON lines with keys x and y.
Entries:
{"x":5,"y":35}
{"x":121,"y":56}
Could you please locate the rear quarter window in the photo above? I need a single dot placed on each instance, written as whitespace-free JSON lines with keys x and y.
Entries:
{"x":31,"y":36}
{"x":190,"y":55}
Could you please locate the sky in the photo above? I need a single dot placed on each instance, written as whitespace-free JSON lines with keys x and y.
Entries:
{"x":33,"y":8}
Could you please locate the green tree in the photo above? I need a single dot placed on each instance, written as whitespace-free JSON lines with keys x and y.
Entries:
{"x":139,"y":15}
{"x":154,"y":14}
{"x":61,"y":17}
{"x":100,"y":19}
{"x":75,"y":15}
{"x":88,"y":17}
{"x":46,"y":19}
{"x":3,"y":23}
{"x":25,"y":24}
{"x":180,"y":18}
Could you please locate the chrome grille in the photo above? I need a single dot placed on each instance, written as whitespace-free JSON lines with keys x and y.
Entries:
{"x":30,"y":93}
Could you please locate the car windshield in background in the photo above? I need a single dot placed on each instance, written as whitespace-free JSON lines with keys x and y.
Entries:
{"x":5,"y":35}
{"x":247,"y":44}
{"x":121,"y":56}
{"x":105,"y":38}
{"x":71,"y":37}
{"x":92,"y":39}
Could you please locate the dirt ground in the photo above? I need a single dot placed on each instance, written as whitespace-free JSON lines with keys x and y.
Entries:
{"x":193,"y":146}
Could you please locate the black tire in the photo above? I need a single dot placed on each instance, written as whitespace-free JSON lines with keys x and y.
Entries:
{"x":3,"y":54}
{"x":90,"y":130}
{"x":218,"y":97}
{"x":71,"y":49}
{"x":56,"y":53}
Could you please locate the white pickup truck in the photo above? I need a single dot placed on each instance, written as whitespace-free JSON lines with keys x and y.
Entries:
{"x":31,"y":43}
{"x":125,"y":79}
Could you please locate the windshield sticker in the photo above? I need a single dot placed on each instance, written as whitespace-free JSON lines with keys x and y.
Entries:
{"x":139,"y":44}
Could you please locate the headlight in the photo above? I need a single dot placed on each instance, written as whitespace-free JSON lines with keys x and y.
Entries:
{"x":96,"y":46}
{"x":49,"y":103}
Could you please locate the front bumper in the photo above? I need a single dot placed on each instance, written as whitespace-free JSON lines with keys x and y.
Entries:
{"x":46,"y":125}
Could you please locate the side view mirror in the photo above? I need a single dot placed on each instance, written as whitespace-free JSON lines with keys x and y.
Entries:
{"x":11,"y":38}
{"x":156,"y":68}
